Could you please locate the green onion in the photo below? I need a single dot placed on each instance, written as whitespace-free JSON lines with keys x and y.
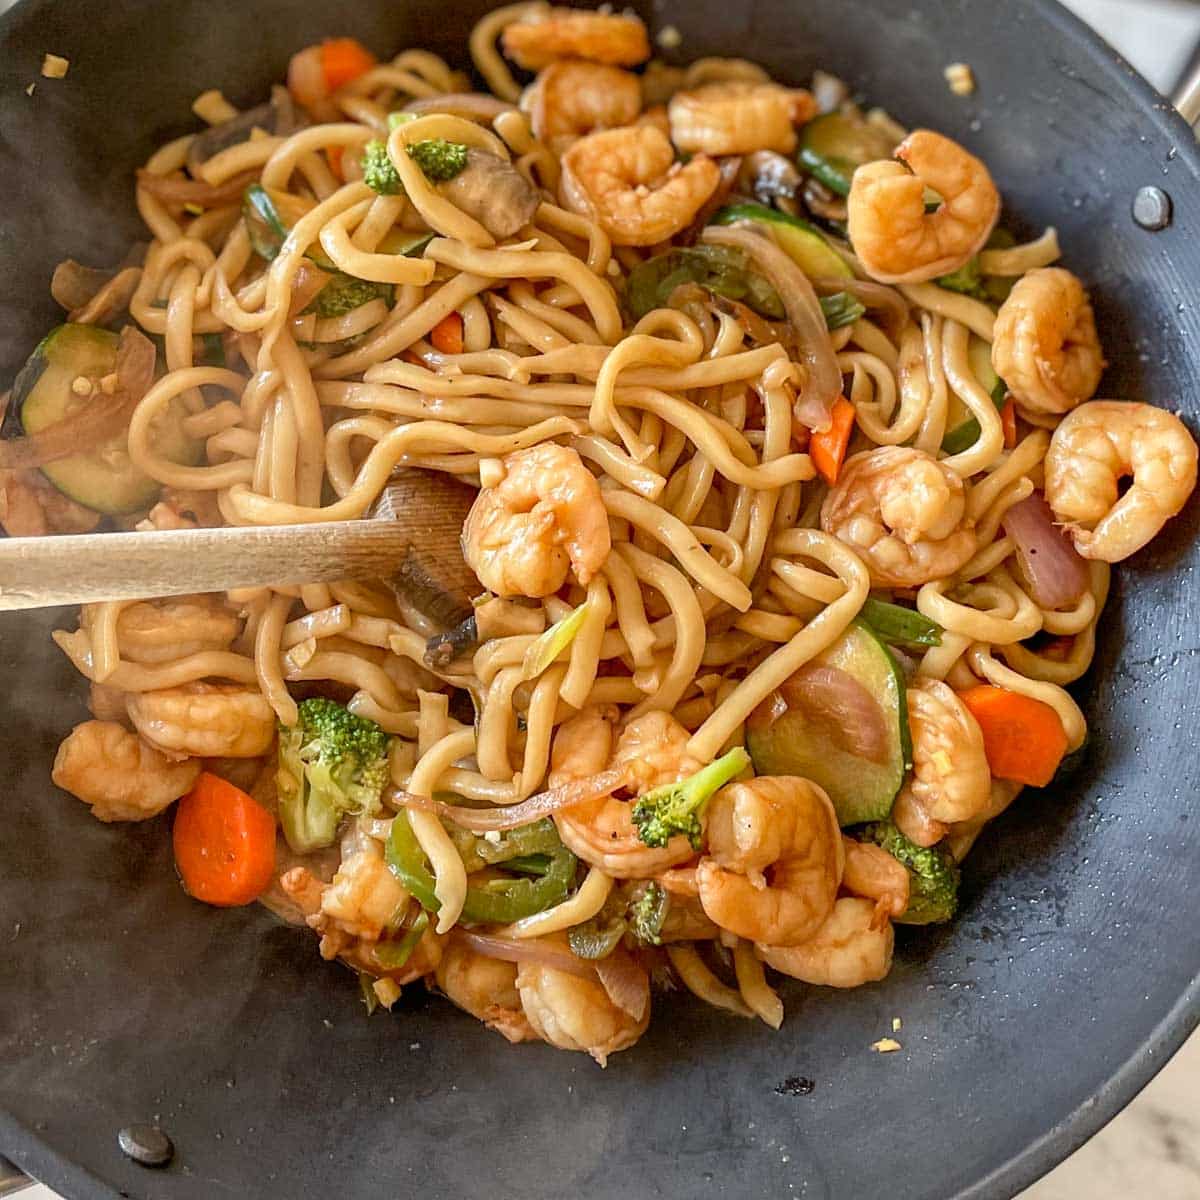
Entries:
{"x":549,"y":645}
{"x":903,"y":626}
{"x":406,"y":860}
{"x":368,"y":992}
{"x":391,"y":956}
{"x":842,"y":308}
{"x":967,"y":279}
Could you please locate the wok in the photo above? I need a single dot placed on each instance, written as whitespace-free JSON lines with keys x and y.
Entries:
{"x":1069,"y":976}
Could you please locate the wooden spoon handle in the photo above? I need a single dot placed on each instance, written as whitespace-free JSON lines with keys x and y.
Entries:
{"x":82,"y":568}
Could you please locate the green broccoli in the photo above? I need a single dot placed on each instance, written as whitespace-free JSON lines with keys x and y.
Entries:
{"x":677,"y":807}
{"x":439,"y":159}
{"x":647,"y":913}
{"x":330,"y":763}
{"x":967,"y":279}
{"x":932,"y":875}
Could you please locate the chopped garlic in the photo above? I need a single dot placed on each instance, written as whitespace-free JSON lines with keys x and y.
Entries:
{"x":54,"y":66}
{"x":941,"y":760}
{"x":29,"y":89}
{"x":886,"y":1045}
{"x":961,"y":79}
{"x":492,"y":837}
{"x":387,"y":991}
{"x":81,"y":385}
{"x":669,"y":37}
{"x":895,"y":1024}
{"x":108,"y":384}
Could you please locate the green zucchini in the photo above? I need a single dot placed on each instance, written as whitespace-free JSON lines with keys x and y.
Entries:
{"x":857,"y":753}
{"x":800,"y":240}
{"x":103,"y":478}
{"x":344,"y":293}
{"x":979,"y":357}
{"x":834,"y":145}
{"x":269,"y":217}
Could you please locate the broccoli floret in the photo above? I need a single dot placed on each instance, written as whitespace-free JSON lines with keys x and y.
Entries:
{"x":932,"y":875}
{"x":677,"y":807}
{"x":330,"y":763}
{"x":438,"y":158}
{"x":378,"y":171}
{"x":647,"y":913}
{"x":967,"y":279}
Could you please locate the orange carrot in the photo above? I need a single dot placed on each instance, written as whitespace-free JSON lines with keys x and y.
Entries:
{"x":828,"y":449}
{"x":1024,"y":738}
{"x":334,"y":154}
{"x":1008,"y":421}
{"x":447,"y":334}
{"x":224,"y":843}
{"x":343,"y":60}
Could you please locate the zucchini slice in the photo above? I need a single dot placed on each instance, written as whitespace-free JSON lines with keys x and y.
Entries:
{"x":103,"y":478}
{"x":797,"y":238}
{"x":966,"y":432}
{"x":841,"y":721}
{"x":834,"y":145}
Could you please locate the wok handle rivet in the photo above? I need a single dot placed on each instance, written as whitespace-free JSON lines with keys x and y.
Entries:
{"x":146,"y":1144}
{"x":1152,"y":208}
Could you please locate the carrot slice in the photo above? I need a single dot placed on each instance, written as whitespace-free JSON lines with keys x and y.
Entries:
{"x":828,"y":449}
{"x":343,"y":60}
{"x":1024,"y":738}
{"x":1008,"y":422}
{"x":334,"y":154}
{"x":447,"y":334}
{"x":224,"y":843}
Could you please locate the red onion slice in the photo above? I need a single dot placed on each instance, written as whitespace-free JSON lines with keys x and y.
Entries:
{"x":627,"y":985}
{"x":1057,"y":573}
{"x":529,"y":950}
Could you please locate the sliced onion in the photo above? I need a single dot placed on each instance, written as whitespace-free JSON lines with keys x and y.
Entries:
{"x":175,"y":189}
{"x":474,"y":106}
{"x":878,"y":297}
{"x":627,"y":985}
{"x":822,"y":383}
{"x":531,"y":950}
{"x":485,"y":820}
{"x":95,"y":422}
{"x":1057,"y":574}
{"x":72,"y":285}
{"x":837,"y":702}
{"x":307,"y":283}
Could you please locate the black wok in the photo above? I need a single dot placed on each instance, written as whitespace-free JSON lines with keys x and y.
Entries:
{"x":1071,"y":973}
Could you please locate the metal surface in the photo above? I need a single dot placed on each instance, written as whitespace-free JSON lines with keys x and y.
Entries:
{"x":1071,"y":972}
{"x":1186,"y":95}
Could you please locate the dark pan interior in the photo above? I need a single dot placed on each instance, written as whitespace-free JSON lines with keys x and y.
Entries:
{"x":1071,"y":972}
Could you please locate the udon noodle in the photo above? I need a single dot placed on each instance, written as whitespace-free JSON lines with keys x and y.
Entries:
{"x":843,"y":418}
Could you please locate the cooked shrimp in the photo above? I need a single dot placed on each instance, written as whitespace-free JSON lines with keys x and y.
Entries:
{"x":1098,"y":445}
{"x":30,"y":506}
{"x":364,"y":897}
{"x":208,"y":720}
{"x":895,"y":239}
{"x":569,"y":99}
{"x":573,"y":1013}
{"x":156,"y":631}
{"x":118,"y":774}
{"x":847,"y":951}
{"x":182,"y":509}
{"x":544,"y":517}
{"x":1045,"y":345}
{"x":738,"y":116}
{"x":541,"y":38}
{"x":903,"y":513}
{"x":486,"y":988}
{"x":951,"y":780}
{"x":628,"y":181}
{"x":601,"y":831}
{"x":775,"y":859}
{"x":871,"y":872}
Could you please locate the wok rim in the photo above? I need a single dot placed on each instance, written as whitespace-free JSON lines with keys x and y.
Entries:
{"x":22,"y":1144}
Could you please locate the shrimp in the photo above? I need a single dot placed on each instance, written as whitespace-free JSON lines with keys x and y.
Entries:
{"x":486,"y":988}
{"x":573,"y":1013}
{"x":895,"y":239}
{"x":627,"y":180}
{"x":157,"y":631}
{"x":738,"y":116}
{"x":544,"y":517}
{"x":181,"y":509}
{"x":30,"y":506}
{"x":951,"y":780}
{"x":1093,"y":449}
{"x":572,"y":98}
{"x":775,"y":859}
{"x":903,"y":513}
{"x":847,"y":951}
{"x":541,"y":38}
{"x":118,"y":774}
{"x":208,"y":720}
{"x":871,"y":872}
{"x":1045,"y":345}
{"x":601,"y":831}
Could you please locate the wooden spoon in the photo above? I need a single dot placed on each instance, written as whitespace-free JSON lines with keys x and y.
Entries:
{"x":411,"y":540}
